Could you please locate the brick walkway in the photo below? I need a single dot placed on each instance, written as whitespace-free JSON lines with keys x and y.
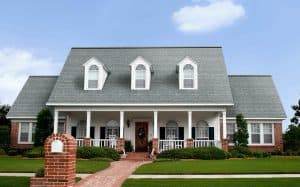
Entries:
{"x":113,"y":176}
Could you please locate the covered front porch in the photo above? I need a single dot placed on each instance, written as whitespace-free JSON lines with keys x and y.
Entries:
{"x":157,"y":129}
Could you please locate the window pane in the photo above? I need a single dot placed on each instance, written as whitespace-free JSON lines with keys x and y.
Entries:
{"x":268,"y":136}
{"x":33,"y":131}
{"x":171,"y":133}
{"x":61,"y":127}
{"x":188,"y":83}
{"x":140,"y":83}
{"x":24,"y":132}
{"x":93,"y":75}
{"x":230,"y":131}
{"x":93,"y":83}
{"x":255,"y":133}
{"x":188,"y":72}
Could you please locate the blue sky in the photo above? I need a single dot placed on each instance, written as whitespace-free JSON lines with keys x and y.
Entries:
{"x":258,"y":37}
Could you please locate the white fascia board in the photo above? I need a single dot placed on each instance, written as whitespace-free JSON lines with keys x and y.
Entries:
{"x":139,"y":104}
{"x":21,"y":117}
{"x":261,"y":118}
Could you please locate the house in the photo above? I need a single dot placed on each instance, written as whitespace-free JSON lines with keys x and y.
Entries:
{"x":175,"y":96}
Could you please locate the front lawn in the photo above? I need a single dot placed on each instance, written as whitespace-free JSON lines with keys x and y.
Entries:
{"x":275,"y":182}
{"x":243,"y":166}
{"x":14,"y":181}
{"x":19,"y":164}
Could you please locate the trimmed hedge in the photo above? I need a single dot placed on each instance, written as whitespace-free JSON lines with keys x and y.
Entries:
{"x":35,"y":152}
{"x":243,"y":152}
{"x":205,"y":153}
{"x":97,"y":152}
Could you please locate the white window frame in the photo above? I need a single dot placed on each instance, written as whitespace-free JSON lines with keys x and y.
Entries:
{"x":181,"y":65}
{"x":234,"y":130}
{"x":262,"y":143}
{"x":202,"y":127}
{"x":102,"y":74}
{"x":29,"y":133}
{"x":140,"y":61}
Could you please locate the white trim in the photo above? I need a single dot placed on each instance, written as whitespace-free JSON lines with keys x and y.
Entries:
{"x":29,"y":133}
{"x":121,"y":124}
{"x":88,"y":124}
{"x":140,"y":61}
{"x":190,"y":124}
{"x":102,"y":74}
{"x":187,"y":60}
{"x":21,"y":117}
{"x":261,"y":135}
{"x":139,"y":104}
{"x":264,"y":118}
{"x":155,"y":126}
{"x":224,"y":123}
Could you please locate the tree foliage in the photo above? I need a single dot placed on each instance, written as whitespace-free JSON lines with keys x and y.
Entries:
{"x":292,"y":135}
{"x":4,"y":127}
{"x":43,"y":126}
{"x":241,"y":136}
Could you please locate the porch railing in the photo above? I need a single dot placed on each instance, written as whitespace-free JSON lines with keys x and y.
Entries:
{"x":111,"y":143}
{"x":165,"y":145}
{"x":206,"y":143}
{"x":79,"y":142}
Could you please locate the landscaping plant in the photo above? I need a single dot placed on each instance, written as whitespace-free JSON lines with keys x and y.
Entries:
{"x":43,"y":126}
{"x":97,"y":152}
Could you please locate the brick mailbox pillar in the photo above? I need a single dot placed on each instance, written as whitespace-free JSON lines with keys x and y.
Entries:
{"x":60,"y":162}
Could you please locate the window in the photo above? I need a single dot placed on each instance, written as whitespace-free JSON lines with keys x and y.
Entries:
{"x":230,"y":131}
{"x":171,"y":130}
{"x":95,"y":74}
{"x":255,"y":133}
{"x":140,"y":76}
{"x":93,"y":77}
{"x":268,"y":133}
{"x":202,"y":131}
{"x":26,"y":132}
{"x":188,"y":76}
{"x":112,"y":130}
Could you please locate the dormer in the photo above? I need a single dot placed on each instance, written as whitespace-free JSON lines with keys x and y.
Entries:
{"x":188,"y":74}
{"x":95,"y":74}
{"x":140,"y":74}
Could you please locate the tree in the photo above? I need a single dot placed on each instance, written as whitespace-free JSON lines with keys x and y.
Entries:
{"x":43,"y":126}
{"x":240,"y":137}
{"x":4,"y":127}
{"x":292,"y":135}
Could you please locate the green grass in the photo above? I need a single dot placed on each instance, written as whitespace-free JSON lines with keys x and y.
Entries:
{"x":278,"y":182}
{"x":14,"y":181}
{"x":19,"y":164}
{"x":268,"y":165}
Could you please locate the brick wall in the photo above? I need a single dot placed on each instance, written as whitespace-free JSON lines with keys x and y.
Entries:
{"x":14,"y":133}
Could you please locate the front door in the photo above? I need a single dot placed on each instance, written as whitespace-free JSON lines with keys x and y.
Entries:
{"x":141,"y":136}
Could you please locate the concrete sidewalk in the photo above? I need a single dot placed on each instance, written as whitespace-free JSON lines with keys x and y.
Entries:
{"x":81,"y":175}
{"x":214,"y":176}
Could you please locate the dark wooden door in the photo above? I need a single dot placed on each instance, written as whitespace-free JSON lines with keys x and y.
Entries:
{"x":141,"y":136}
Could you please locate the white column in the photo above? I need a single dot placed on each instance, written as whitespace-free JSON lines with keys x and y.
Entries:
{"x":189,"y":124}
{"x":88,"y":124}
{"x":121,"y":124}
{"x":218,"y":127}
{"x":55,"y":126}
{"x":155,"y":124}
{"x":224,"y":125}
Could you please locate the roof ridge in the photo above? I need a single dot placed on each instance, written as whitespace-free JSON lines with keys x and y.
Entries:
{"x":144,"y":47}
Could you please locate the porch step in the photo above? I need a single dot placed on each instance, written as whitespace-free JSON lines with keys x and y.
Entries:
{"x":137,"y":156}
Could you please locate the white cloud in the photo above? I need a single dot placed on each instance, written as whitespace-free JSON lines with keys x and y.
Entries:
{"x":210,"y":17}
{"x":15,"y":67}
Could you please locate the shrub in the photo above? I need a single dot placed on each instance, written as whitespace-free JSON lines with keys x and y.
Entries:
{"x":40,"y":172}
{"x":2,"y":151}
{"x":205,"y":153}
{"x":43,"y":126}
{"x":35,"y":152}
{"x":128,"y":146}
{"x":12,"y":152}
{"x":97,"y":152}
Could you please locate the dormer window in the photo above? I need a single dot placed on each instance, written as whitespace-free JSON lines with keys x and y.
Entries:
{"x":140,"y":74}
{"x":95,"y":74}
{"x":140,"y":77}
{"x":93,"y":77}
{"x":188,"y":74}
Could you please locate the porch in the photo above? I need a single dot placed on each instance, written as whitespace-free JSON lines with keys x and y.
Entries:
{"x":164,"y":129}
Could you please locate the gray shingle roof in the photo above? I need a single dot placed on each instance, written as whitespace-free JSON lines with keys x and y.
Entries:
{"x":32,"y":97}
{"x":255,"y":97}
{"x":213,"y":81}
